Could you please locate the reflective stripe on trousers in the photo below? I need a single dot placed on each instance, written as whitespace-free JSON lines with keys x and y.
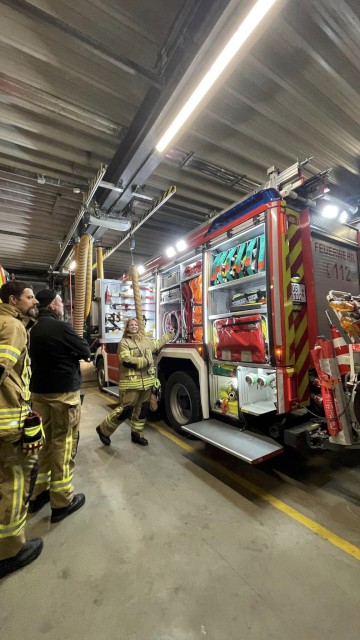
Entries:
{"x":15,"y":480}
{"x":61,"y":417}
{"x":127,"y":399}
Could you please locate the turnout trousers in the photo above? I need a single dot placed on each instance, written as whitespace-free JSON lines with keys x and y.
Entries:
{"x":17,"y":477}
{"x":61,"y":418}
{"x":133,"y":403}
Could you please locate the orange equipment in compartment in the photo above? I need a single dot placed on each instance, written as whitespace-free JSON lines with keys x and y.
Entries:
{"x":197,"y":320}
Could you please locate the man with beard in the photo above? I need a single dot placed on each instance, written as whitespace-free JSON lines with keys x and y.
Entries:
{"x":55,"y":351}
{"x":21,"y":434}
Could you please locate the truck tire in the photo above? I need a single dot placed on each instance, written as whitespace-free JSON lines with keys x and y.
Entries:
{"x":182,"y":400}
{"x":100,"y":368}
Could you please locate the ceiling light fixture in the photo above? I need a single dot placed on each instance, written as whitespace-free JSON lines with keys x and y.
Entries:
{"x":141,"y":269}
{"x":343,"y":216}
{"x":330,"y":211}
{"x":181,"y":245}
{"x":246,"y":28}
{"x":72,"y":265}
{"x":170,"y":252}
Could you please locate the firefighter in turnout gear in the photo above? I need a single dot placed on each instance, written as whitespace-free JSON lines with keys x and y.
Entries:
{"x":136,"y":379}
{"x":21,"y":434}
{"x":55,"y":350}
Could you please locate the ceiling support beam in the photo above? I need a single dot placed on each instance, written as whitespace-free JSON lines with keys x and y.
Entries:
{"x":43,"y":103}
{"x":136,"y":159}
{"x":96,"y":47}
{"x":28,"y":235}
{"x":87,"y":199}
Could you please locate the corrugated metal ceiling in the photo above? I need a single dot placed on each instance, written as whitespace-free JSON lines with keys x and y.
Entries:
{"x":73,"y":79}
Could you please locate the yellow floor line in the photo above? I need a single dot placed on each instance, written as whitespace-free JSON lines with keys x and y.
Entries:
{"x":315,"y":527}
{"x":107,"y":396}
{"x":310,"y":524}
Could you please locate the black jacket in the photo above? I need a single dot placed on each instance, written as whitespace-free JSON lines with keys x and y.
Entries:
{"x":55,"y":351}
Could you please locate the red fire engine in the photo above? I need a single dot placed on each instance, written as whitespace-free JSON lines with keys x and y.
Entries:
{"x":246,"y":294}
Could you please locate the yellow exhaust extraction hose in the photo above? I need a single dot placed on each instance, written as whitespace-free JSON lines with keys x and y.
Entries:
{"x":137,"y":296}
{"x":99,"y":262}
{"x":88,"y":292}
{"x":80,"y":284}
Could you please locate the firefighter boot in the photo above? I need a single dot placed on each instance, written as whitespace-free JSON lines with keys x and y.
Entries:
{"x":28,"y":552}
{"x":37,"y":503}
{"x":104,"y":439}
{"x":137,"y":438}
{"x":76,"y":503}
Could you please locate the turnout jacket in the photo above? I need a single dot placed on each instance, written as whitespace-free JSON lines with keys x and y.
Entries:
{"x":55,"y":351}
{"x":136,"y":363}
{"x":14,"y":372}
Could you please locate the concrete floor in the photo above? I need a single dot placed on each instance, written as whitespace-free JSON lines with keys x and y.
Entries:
{"x":171,"y":545}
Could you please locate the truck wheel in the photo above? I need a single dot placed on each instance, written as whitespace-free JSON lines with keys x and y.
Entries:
{"x":100,"y":368}
{"x":182,"y":400}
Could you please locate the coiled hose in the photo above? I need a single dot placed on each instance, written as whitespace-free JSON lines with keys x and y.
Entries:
{"x":80,"y":284}
{"x":137,"y":297}
{"x":88,"y":291}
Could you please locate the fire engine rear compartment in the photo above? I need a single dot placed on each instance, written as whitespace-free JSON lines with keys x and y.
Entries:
{"x":171,"y":545}
{"x":242,"y":306}
{"x":335,"y":260}
{"x":264,"y":270}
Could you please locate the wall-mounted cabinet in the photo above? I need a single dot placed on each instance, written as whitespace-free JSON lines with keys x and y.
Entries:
{"x":117,"y":305}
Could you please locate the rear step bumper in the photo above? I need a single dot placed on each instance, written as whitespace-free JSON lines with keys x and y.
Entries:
{"x":112,"y":391}
{"x":247,"y":446}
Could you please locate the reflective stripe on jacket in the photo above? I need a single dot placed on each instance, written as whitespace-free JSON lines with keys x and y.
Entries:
{"x":14,"y":372}
{"x":137,"y":351}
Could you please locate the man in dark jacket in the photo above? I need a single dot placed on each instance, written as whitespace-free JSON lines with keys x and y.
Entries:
{"x":55,"y":351}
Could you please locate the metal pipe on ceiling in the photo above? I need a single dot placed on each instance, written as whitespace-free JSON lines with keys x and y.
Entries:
{"x":136,"y":225}
{"x":87,"y":199}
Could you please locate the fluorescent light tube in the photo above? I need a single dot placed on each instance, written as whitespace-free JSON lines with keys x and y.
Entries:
{"x":246,"y":28}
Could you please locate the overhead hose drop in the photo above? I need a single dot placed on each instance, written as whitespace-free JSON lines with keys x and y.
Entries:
{"x":137,"y":297}
{"x":99,"y":262}
{"x":88,"y":291}
{"x":80,"y":284}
